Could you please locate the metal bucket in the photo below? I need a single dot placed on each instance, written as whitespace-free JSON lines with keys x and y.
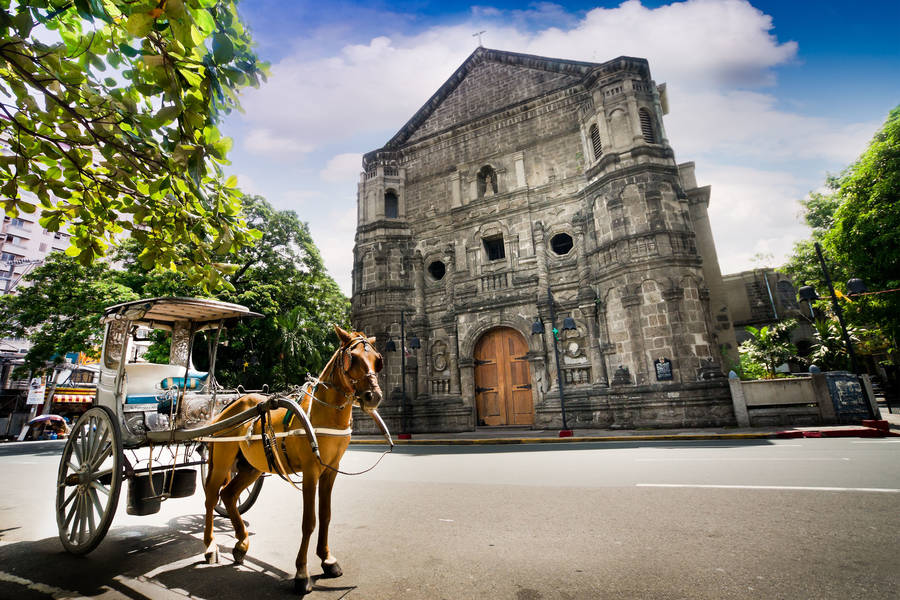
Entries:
{"x":181,"y":483}
{"x":144,"y":499}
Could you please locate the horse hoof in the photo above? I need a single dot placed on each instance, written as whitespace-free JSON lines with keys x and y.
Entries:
{"x":212,"y":556}
{"x":302,"y":586}
{"x":330,"y":571}
{"x":238,"y":555}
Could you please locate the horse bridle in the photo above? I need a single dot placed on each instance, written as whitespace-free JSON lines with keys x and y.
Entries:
{"x":350,"y":397}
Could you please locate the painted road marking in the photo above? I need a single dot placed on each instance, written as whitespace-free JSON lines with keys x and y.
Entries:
{"x":879,"y":442}
{"x":768,"y":487}
{"x":733,"y":458}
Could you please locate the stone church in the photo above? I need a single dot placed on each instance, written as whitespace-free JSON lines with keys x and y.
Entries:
{"x":531,"y":248}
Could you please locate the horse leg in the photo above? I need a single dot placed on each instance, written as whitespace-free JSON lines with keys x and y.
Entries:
{"x":302,"y":582}
{"x":243,"y":479}
{"x":220,"y":460}
{"x":330,"y":566}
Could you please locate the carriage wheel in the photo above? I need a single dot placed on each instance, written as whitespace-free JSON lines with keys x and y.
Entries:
{"x":247,"y":498}
{"x":90,"y":478}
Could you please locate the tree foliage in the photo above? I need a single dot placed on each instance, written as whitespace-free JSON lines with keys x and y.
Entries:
{"x":282,"y":276}
{"x":59,"y":308}
{"x":857,"y":223}
{"x":769,"y":347}
{"x":109,"y":113}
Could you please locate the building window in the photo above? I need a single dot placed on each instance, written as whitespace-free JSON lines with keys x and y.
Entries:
{"x":21,"y":224}
{"x":595,"y":142}
{"x":647,"y":126}
{"x":43,"y":247}
{"x":487,"y":181}
{"x":561,"y":243}
{"x":391,"y":205}
{"x":493,"y":247}
{"x":437,"y":269}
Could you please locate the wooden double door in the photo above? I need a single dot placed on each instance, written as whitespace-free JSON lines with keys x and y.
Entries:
{"x":503,"y":379}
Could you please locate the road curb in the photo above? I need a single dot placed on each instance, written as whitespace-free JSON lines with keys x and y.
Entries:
{"x":566,"y":440}
{"x":862,"y":432}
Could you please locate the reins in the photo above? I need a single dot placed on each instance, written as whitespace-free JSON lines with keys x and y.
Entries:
{"x":268,"y":436}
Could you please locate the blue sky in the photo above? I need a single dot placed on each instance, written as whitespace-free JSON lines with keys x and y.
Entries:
{"x":765,"y":97}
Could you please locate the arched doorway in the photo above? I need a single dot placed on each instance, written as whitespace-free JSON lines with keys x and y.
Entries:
{"x":502,"y":379}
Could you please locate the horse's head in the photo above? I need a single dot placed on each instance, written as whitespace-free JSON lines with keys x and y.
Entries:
{"x":359,"y":364}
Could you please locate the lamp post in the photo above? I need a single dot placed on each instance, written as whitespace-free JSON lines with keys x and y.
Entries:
{"x":854,"y":286}
{"x":390,"y":346}
{"x":537,"y":328}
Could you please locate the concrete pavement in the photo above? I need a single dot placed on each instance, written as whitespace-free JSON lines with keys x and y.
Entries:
{"x":888,"y":425}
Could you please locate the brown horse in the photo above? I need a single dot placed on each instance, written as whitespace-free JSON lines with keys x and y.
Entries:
{"x":348,"y":378}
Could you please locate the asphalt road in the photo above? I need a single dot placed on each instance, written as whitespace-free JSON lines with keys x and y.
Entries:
{"x":808,"y":518}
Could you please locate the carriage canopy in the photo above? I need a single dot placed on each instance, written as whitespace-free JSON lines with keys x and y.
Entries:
{"x":163,"y":313}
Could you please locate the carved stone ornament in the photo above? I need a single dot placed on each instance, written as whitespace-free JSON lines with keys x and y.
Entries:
{"x":439,"y":356}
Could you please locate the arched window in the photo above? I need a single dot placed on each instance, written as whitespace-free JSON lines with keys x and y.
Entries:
{"x":647,"y":126}
{"x":391,"y":205}
{"x":487,"y":181}
{"x":595,"y":141}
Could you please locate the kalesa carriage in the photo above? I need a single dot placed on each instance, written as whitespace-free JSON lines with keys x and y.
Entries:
{"x":153,"y":425}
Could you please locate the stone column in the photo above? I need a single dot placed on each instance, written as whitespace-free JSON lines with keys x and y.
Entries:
{"x":673,"y":297}
{"x":598,"y":369}
{"x":519,"y":162}
{"x":632,"y":305}
{"x":604,"y":347}
{"x":454,"y":358}
{"x":455,"y":193}
{"x":421,"y":324}
{"x":540,"y":253}
{"x":637,"y":136}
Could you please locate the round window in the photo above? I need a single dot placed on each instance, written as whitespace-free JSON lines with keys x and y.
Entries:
{"x":437,"y":269}
{"x":561,"y":243}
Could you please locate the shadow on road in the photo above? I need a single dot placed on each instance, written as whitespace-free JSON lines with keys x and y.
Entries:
{"x":429,"y":450}
{"x":141,"y":562}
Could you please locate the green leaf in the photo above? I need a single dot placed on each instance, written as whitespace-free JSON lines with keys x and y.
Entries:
{"x":128,"y":50}
{"x":223,"y":49}
{"x":23,"y":23}
{"x":139,"y":24}
{"x":231,"y":182}
{"x":204,"y":20}
{"x":167,"y":114}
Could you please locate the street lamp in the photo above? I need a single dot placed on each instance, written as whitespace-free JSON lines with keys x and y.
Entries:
{"x":537,"y":328}
{"x":390,"y":346}
{"x":854,"y":286}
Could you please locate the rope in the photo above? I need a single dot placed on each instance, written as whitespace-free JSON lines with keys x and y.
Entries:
{"x":336,"y":470}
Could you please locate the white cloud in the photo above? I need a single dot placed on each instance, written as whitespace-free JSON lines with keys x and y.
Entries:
{"x":743,"y":124}
{"x":378,"y":85}
{"x":751,"y":211}
{"x":342,"y":168}
{"x":718,"y":58}
{"x":268,"y":143}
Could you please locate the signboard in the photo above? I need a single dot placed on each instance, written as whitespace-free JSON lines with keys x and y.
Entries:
{"x":36,"y":391}
{"x":663,"y":367}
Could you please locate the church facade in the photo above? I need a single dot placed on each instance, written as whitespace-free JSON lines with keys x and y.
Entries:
{"x":529,"y":245}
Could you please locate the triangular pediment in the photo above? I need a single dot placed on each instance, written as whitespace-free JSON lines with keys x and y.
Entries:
{"x":487,"y":82}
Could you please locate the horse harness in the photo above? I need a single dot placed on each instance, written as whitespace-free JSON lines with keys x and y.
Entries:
{"x":268,"y":435}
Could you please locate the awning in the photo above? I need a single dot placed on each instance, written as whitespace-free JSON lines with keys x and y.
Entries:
{"x":74,"y":396}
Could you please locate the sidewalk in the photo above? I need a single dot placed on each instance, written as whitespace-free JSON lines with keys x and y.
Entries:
{"x":524,"y":435}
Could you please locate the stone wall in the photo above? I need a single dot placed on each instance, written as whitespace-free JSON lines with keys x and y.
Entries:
{"x":502,"y":197}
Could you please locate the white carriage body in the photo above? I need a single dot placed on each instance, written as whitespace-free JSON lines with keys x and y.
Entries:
{"x":149,"y":397}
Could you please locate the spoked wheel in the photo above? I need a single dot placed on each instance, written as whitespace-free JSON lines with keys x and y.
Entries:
{"x":247,"y":498}
{"x":90,"y":478}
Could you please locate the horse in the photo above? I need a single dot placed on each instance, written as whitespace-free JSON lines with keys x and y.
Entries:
{"x":348,"y":379}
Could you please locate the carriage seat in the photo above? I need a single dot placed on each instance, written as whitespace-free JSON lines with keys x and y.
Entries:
{"x":145,"y":383}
